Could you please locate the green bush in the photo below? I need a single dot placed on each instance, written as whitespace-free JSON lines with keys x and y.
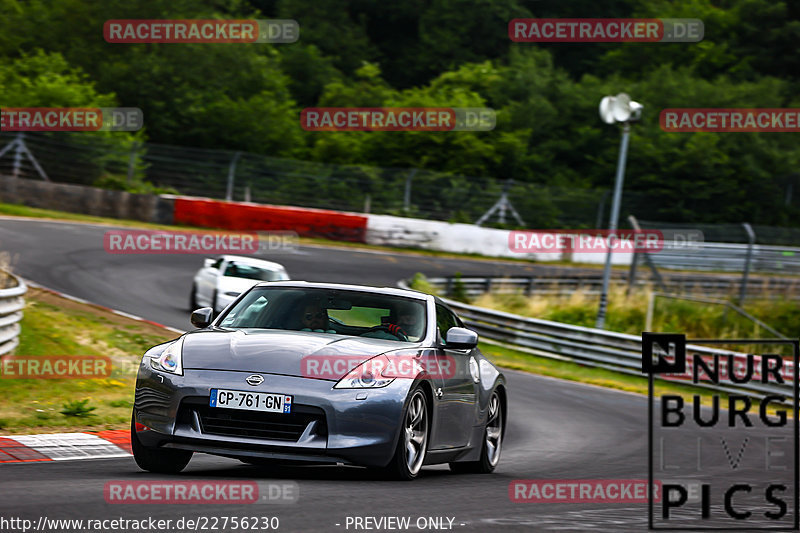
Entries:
{"x":78,"y":408}
{"x":116,"y":182}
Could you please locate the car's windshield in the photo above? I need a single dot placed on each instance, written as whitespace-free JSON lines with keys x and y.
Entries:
{"x":240,"y":270}
{"x":332,"y":311}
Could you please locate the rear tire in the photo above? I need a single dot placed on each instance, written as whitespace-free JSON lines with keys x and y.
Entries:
{"x":412,"y":445}
{"x":492,"y":442}
{"x":157,"y":460}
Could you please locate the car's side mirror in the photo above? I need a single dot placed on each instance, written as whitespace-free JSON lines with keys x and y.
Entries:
{"x":207,"y":262}
{"x":202,"y":317}
{"x":461,"y":339}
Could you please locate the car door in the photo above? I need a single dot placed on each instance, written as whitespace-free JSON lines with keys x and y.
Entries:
{"x":456,"y":407}
{"x":207,"y":281}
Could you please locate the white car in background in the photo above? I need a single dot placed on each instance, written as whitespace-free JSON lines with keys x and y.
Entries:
{"x":223,"y":279}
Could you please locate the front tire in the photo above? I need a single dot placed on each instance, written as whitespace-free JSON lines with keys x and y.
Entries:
{"x":155,"y":459}
{"x":193,"y":298}
{"x":412,"y":446}
{"x":492,"y":442}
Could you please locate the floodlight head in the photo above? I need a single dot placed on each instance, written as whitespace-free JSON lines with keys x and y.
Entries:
{"x":606,"y":106}
{"x":619,"y":108}
{"x":636,"y":110}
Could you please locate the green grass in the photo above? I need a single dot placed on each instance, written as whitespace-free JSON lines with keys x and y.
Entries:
{"x":53,"y":326}
{"x":627,"y":314}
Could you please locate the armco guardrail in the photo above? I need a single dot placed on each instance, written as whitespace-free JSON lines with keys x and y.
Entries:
{"x":11,"y":304}
{"x":619,"y":352}
{"x":565,"y":285}
{"x":730,"y":257}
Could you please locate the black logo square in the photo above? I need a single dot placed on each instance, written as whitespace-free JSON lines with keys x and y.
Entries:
{"x":661,"y":345}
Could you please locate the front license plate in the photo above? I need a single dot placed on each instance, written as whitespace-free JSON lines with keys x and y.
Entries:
{"x":251,"y":401}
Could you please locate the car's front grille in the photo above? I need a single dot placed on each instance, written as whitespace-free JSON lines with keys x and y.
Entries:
{"x":273,"y":426}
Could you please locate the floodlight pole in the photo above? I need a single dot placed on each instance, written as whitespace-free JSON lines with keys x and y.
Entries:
{"x":612,"y":226}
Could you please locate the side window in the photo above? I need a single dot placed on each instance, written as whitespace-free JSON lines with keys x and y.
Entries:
{"x":445,"y":320}
{"x":216,"y":264}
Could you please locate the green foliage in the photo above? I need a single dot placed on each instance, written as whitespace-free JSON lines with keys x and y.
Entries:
{"x":137,"y":186}
{"x":626,"y":314}
{"x":77,"y":408}
{"x":453,"y":53}
{"x":420,"y":283}
{"x":458,"y":291}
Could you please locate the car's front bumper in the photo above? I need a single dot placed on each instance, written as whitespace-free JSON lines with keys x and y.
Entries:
{"x":356,"y":426}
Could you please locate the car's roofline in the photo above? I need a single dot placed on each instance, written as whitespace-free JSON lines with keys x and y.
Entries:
{"x":392,"y":291}
{"x":252,"y":261}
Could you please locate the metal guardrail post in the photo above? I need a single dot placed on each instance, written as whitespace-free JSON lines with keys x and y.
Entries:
{"x":407,"y":190}
{"x":649,"y":260}
{"x":632,"y":274}
{"x":530,"y":287}
{"x":11,"y":304}
{"x":231,"y":176}
{"x":751,"y":241}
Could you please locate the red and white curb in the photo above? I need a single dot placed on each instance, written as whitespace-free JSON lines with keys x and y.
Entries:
{"x":65,"y":446}
{"x":71,"y":446}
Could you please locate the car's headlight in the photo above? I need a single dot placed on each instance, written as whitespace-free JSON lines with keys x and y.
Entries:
{"x":232,"y":293}
{"x":367,"y":375}
{"x":171,"y":359}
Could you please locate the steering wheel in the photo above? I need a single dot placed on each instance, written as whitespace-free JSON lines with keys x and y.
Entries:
{"x":392,"y":329}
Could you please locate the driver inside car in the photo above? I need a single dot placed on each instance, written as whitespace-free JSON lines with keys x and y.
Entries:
{"x":406,"y":321}
{"x":315,"y":318}
{"x":403,"y":323}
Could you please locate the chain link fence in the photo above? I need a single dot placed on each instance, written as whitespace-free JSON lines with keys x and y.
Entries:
{"x":243,"y":176}
{"x":223,"y":174}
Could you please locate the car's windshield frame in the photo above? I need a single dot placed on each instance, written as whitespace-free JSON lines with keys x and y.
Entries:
{"x":299,"y":296}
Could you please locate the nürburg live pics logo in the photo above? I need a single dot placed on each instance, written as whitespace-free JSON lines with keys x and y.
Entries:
{"x":722,"y":445}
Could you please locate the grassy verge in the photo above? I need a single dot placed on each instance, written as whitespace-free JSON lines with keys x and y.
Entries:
{"x":627,"y":314}
{"x":56,"y":326}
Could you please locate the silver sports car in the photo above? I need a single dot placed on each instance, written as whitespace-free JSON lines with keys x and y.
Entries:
{"x":322,"y":373}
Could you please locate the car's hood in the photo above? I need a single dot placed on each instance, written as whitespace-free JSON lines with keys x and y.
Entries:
{"x":276,"y":351}
{"x":229,"y":283}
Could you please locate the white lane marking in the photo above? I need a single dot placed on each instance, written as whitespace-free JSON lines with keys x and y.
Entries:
{"x":115,"y":311}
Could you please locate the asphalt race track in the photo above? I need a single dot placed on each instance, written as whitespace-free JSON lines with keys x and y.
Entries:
{"x":557,"y":429}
